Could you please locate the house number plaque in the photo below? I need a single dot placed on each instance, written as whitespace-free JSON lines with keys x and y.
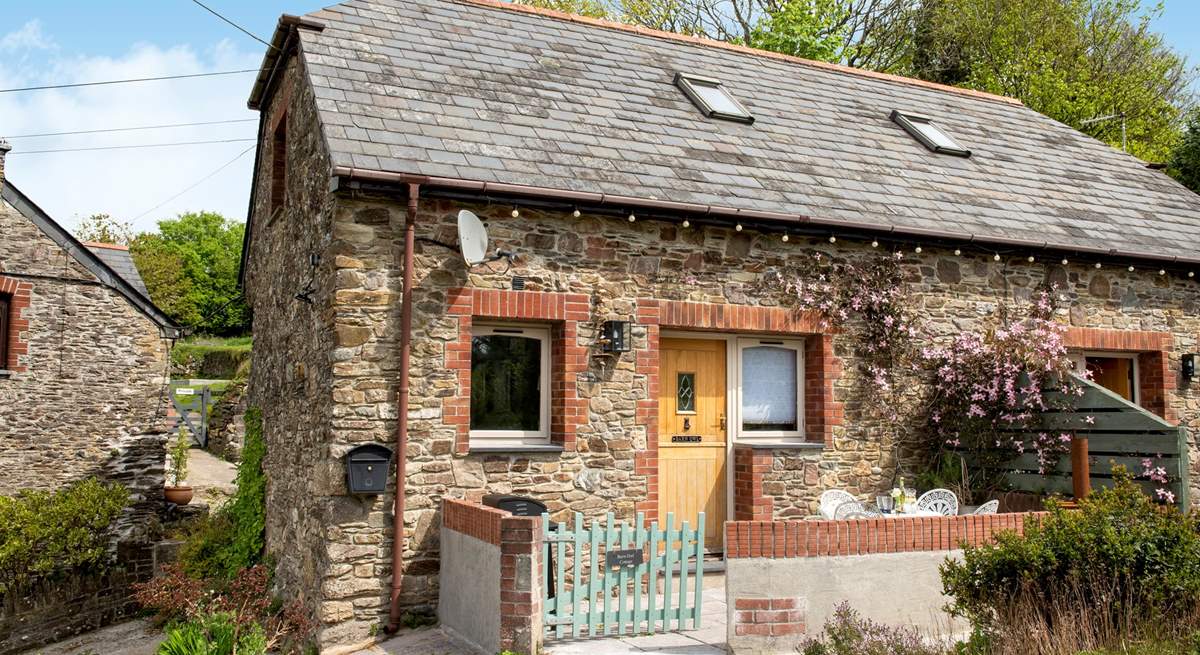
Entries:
{"x":685,"y":438}
{"x":621,"y":558}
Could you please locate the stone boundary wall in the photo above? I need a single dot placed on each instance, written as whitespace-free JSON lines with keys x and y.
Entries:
{"x":58,"y":609}
{"x":492,"y":561}
{"x":783,"y":579}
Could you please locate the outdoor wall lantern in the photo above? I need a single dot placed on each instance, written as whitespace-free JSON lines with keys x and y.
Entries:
{"x":1189,"y":366}
{"x":616,"y":336}
{"x":367,"y":469}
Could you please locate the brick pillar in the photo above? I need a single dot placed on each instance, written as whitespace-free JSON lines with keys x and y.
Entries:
{"x":521,"y":585}
{"x":749,"y":502}
{"x":1156,"y":381}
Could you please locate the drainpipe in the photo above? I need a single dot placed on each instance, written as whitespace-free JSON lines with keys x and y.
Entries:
{"x":398,"y":538}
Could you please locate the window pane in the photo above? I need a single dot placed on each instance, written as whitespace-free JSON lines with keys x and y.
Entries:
{"x":717,"y":99}
{"x":686,"y":393}
{"x":769,"y":389}
{"x":936,"y":135}
{"x":505,"y":389}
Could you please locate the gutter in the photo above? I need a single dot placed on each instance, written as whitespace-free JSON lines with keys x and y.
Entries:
{"x":398,"y":535}
{"x":717,"y":215}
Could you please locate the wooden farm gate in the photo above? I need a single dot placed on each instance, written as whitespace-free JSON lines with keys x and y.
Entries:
{"x":619,"y":579}
{"x":191,"y":410}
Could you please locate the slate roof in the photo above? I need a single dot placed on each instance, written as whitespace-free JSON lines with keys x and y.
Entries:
{"x":90,"y":259}
{"x":471,"y":89}
{"x":119,"y":260}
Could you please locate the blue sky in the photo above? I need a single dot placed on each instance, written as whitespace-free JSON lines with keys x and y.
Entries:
{"x":62,"y":41}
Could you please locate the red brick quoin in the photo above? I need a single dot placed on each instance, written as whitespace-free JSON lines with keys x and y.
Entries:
{"x":18,"y":323}
{"x":1156,"y":380}
{"x":821,"y":411}
{"x":563,"y":312}
{"x":768,"y":617}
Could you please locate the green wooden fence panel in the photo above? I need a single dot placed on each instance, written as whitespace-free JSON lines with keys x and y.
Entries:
{"x":590,"y":599}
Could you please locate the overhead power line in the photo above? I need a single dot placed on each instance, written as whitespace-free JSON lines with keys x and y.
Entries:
{"x":235,"y":25}
{"x":129,"y":147}
{"x":196,"y":184}
{"x":132,"y":129}
{"x":127,"y":81}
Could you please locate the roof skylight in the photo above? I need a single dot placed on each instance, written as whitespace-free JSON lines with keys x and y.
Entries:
{"x":712,"y":98}
{"x":923,"y":130}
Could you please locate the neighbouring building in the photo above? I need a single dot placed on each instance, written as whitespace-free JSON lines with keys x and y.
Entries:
{"x":647,"y":178}
{"x":83,"y":363}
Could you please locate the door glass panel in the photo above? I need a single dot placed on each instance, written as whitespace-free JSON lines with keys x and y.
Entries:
{"x":769,"y":389}
{"x":505,"y":382}
{"x":686,"y":393}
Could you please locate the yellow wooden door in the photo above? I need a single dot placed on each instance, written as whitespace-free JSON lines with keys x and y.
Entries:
{"x":1114,"y":374}
{"x":691,"y":433}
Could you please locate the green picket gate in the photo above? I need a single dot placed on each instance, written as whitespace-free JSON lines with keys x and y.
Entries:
{"x":605,"y":579}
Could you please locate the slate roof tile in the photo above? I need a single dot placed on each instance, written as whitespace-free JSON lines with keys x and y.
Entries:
{"x":456,"y":88}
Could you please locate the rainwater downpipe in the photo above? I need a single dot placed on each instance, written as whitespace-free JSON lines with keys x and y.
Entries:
{"x":398,"y":537}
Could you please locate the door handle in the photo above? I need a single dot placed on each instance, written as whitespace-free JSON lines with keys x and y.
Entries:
{"x":722,"y":421}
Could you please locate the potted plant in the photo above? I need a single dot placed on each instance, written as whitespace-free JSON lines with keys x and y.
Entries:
{"x":176,"y":492}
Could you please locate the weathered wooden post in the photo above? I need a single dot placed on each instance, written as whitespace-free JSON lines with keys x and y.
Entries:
{"x":1081,"y":473}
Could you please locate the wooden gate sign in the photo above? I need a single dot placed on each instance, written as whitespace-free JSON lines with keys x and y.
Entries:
{"x":619,"y":558}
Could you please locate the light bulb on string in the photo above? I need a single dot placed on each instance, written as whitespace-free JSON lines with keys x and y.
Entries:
{"x":785,"y":238}
{"x":516,"y":213}
{"x":576,"y":213}
{"x":632,"y":218}
{"x":917,"y":250}
{"x":832,"y":239}
{"x":996,"y":257}
{"x":686,"y":223}
{"x":738,"y":227}
{"x":957,"y":252}
{"x":874,"y":244}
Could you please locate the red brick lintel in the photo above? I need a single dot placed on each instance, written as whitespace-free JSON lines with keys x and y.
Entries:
{"x":787,"y":539}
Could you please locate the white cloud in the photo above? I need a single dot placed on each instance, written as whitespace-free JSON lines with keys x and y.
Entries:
{"x":29,"y":37}
{"x":126,"y":183}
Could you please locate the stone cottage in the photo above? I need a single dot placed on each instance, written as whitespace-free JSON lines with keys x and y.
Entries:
{"x":83,"y":363}
{"x":648,"y":179}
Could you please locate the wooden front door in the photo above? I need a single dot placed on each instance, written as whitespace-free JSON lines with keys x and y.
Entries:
{"x":692,"y":433}
{"x":1114,"y":374}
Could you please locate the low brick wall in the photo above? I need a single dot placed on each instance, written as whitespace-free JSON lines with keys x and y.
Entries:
{"x":784,"y":578}
{"x":491,"y":578}
{"x":59,"y":609}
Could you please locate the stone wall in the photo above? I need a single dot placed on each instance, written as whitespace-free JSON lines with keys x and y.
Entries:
{"x":78,"y":602}
{"x":309,"y":532}
{"x":617,"y":265}
{"x":227,"y":423}
{"x":86,"y":394}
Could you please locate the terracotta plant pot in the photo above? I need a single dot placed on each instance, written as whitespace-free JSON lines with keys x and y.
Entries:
{"x":178,"y":495}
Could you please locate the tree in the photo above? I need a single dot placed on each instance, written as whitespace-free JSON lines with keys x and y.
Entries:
{"x":103,"y":228}
{"x":191,"y":268}
{"x":1185,"y":159}
{"x":813,"y":29}
{"x":592,"y":8}
{"x":1073,"y":60}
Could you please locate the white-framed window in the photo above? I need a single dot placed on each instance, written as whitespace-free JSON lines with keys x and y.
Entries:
{"x":770,"y":389}
{"x":510,"y":384}
{"x":1114,"y":370}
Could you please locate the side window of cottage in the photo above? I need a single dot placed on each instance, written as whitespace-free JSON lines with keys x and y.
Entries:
{"x":770,"y":389}
{"x":510,"y":384}
{"x":5,"y":303}
{"x":279,"y":165}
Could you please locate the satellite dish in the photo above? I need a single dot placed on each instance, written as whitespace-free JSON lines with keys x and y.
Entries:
{"x":472,"y":238}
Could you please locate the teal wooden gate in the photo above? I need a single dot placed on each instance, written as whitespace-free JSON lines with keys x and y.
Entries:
{"x":620,"y":579}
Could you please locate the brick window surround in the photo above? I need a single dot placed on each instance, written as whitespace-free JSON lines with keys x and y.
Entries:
{"x":1156,"y":380}
{"x":821,"y":368}
{"x":563,"y":312}
{"x":16,"y":323}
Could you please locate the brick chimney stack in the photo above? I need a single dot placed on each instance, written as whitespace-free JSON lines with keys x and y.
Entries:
{"x":4,"y":148}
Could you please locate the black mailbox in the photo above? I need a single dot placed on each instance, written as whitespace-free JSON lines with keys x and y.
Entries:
{"x":367,"y":469}
{"x":516,"y":505}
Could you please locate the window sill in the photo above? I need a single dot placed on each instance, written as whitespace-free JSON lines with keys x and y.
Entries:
{"x":798,"y":445}
{"x":5,"y":374}
{"x":515,"y":448}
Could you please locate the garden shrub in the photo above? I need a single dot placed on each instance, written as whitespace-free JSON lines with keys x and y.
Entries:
{"x":46,"y":534}
{"x":1106,"y":573}
{"x":240,"y":611}
{"x":848,"y":633}
{"x":232,"y":539}
{"x":214,"y":634}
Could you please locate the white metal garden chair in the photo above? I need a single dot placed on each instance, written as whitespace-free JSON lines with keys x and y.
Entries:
{"x":867,"y":512}
{"x":941,"y":501}
{"x":990,"y":507}
{"x":849,"y":509}
{"x":831,"y":499}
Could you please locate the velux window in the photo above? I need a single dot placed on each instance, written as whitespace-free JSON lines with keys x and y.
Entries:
{"x":510,"y":384}
{"x":770,"y":389}
{"x":931,"y":136}
{"x":712,"y":98}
